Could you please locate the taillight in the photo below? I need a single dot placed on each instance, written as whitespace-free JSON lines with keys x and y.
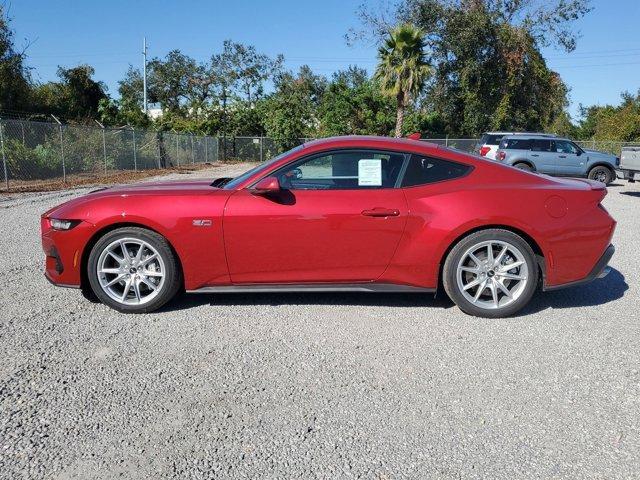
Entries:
{"x":501,"y":156}
{"x":484,"y":150}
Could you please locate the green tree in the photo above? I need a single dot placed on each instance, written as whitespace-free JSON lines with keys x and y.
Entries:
{"x":81,"y":94}
{"x":353,"y":104}
{"x":15,"y":81}
{"x":177,"y":83}
{"x":488,"y":69}
{"x":291,"y":111}
{"x":76,"y":96}
{"x":619,"y":123}
{"x":403,"y":69}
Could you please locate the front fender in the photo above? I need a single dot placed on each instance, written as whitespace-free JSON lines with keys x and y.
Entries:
{"x":192,"y":224}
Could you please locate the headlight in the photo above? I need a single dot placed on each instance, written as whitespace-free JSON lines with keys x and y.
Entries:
{"x":58,"y":224}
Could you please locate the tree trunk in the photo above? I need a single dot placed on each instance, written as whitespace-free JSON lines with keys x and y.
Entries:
{"x":399,"y":114}
{"x":162,"y":151}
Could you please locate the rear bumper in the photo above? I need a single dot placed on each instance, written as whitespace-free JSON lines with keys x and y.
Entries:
{"x":631,"y":175}
{"x":600,"y":270}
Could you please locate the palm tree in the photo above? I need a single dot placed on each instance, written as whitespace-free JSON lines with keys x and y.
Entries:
{"x":403,"y":68}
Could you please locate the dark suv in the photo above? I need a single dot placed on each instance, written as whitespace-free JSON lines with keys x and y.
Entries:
{"x":556,"y":156}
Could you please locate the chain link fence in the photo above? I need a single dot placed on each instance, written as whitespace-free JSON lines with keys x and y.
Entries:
{"x":40,"y":154}
{"x":35,"y":153}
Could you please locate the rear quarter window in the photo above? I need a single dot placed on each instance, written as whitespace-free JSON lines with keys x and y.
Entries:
{"x":423,"y":170}
{"x":491,"y":139}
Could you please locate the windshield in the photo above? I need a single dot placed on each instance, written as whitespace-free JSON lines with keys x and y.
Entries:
{"x":259,"y":168}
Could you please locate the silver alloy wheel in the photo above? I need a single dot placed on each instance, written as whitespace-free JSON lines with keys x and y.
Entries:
{"x":601,"y":176}
{"x":130,"y":271}
{"x":492,"y":274}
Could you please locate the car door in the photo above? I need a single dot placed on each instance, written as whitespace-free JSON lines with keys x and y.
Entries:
{"x":338,"y":218}
{"x":570,"y":158}
{"x":542,"y":156}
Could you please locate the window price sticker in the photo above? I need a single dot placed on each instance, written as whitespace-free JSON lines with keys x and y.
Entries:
{"x":370,"y":172}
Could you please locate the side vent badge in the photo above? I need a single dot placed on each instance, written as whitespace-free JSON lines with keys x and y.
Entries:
{"x":201,"y":222}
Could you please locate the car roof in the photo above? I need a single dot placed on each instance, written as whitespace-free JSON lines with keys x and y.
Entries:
{"x":534,"y":136}
{"x":543,"y":134}
{"x":363,"y":140}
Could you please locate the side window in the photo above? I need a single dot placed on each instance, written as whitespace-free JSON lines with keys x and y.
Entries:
{"x":564,"y":146}
{"x":519,"y":144}
{"x":540,"y":145}
{"x":423,"y":170}
{"x":343,"y":170}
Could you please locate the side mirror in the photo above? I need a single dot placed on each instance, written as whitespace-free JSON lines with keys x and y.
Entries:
{"x":266,"y":186}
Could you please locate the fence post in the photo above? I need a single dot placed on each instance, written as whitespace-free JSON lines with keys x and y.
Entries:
{"x":104,"y":145}
{"x":446,"y":140}
{"x":135,"y":158}
{"x":177,"y":157}
{"x":206,"y":153}
{"x":261,"y":148}
{"x":24,"y":143}
{"x":64,"y":168}
{"x":4,"y":158}
{"x":159,"y":136}
{"x":193,"y":155}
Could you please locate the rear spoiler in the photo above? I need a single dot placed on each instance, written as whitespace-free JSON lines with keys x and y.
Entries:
{"x":594,"y":184}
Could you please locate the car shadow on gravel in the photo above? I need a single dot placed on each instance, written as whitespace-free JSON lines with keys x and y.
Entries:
{"x":411,"y":300}
{"x":599,"y":292}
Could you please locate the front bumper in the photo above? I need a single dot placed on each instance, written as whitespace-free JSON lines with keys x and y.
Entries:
{"x":600,"y":270}
{"x":63,"y":252}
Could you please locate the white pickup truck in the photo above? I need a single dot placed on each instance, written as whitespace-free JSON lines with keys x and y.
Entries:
{"x":629,"y":168}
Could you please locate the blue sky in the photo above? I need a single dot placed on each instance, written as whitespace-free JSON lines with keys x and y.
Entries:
{"x":108,"y":35}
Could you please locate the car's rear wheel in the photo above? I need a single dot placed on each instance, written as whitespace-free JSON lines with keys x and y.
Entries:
{"x":601,"y":174}
{"x":523,"y":166}
{"x":491,"y":273}
{"x":133,"y":270}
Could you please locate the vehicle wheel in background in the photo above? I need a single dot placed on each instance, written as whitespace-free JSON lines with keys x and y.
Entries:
{"x":491,"y":273}
{"x":523,"y":166}
{"x":601,"y":174}
{"x":133,"y":270}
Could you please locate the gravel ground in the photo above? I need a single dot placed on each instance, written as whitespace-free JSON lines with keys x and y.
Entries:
{"x":318,"y":384}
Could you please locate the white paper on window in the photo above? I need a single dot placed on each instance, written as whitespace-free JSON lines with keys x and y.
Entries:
{"x":370,"y":172}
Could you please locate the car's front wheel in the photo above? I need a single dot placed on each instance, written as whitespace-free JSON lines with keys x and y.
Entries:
{"x":133,"y":270}
{"x":491,"y":273}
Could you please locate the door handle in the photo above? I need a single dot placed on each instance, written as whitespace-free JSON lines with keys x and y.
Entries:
{"x":381,"y":212}
{"x":535,"y":154}
{"x":562,"y":156}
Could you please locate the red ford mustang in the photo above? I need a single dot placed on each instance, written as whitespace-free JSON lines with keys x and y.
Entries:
{"x":349,"y":213}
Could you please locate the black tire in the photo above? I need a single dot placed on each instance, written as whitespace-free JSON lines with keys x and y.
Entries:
{"x":602,"y":174}
{"x":450,"y":268}
{"x":523,"y":166}
{"x":172,"y":274}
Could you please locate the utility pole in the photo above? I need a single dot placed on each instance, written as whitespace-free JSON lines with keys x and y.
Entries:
{"x":144,"y":72}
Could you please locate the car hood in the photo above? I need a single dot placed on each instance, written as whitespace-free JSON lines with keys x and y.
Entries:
{"x":163,"y":188}
{"x":171,"y":186}
{"x":596,"y":153}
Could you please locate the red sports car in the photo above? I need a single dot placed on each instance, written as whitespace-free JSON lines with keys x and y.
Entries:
{"x":368,"y":214}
